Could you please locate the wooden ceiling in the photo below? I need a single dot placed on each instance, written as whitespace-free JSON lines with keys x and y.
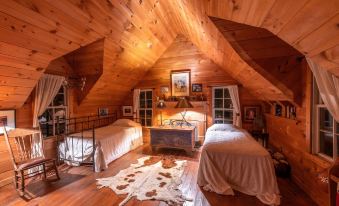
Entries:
{"x":182,"y":54}
{"x":273,"y":58}
{"x":136,"y":33}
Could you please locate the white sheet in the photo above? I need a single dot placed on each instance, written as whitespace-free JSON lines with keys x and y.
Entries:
{"x":111,"y":142}
{"x":234,"y":160}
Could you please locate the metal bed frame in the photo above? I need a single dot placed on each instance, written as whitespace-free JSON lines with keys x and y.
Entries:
{"x":78,"y":125}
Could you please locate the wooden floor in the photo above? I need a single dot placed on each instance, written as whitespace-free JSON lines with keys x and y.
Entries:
{"x":78,"y":187}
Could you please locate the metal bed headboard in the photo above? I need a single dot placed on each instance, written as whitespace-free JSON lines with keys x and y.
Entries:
{"x":75,"y":128}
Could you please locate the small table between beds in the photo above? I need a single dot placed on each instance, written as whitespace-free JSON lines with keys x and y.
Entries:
{"x":173,"y":137}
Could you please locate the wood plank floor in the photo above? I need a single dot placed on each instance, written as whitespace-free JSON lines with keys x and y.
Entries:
{"x":78,"y":187}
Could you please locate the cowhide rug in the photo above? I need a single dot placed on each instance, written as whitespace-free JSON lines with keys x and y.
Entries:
{"x":152,"y":178}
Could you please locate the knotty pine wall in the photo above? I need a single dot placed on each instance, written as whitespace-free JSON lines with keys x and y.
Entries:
{"x":24,"y":119}
{"x":183,"y":54}
{"x":293,"y":137}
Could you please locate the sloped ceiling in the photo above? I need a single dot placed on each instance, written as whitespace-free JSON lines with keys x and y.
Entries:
{"x":35,"y":32}
{"x":182,"y":54}
{"x":273,"y":58}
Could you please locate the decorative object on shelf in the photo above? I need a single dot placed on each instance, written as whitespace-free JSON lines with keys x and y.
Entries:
{"x":164,"y":89}
{"x":180,"y":83}
{"x":103,"y":112}
{"x":184,"y":104}
{"x":250,"y":113}
{"x":7,"y":119}
{"x":278,"y":110}
{"x":161,"y":105}
{"x":196,"y":87}
{"x":127,"y":111}
{"x":164,"y":92}
{"x":291,"y":112}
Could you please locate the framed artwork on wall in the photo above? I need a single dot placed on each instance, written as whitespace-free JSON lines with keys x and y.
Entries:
{"x":103,"y":111}
{"x":164,"y":89}
{"x":7,"y":119}
{"x":127,"y":111}
{"x":196,"y":87}
{"x":250,"y":113}
{"x":180,"y":83}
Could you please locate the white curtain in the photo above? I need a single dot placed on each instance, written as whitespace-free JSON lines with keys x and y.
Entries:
{"x":45,"y":91}
{"x":328,"y":86}
{"x":136,"y":101}
{"x":234,"y":93}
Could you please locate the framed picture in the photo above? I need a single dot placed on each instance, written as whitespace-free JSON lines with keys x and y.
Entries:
{"x":196,"y":87}
{"x":180,"y":83}
{"x":103,"y":112}
{"x":251,"y":112}
{"x":127,"y":111}
{"x":7,"y":119}
{"x":164,"y":89}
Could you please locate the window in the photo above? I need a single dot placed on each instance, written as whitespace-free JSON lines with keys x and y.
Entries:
{"x":222,"y":106}
{"x":52,"y":121}
{"x":145,"y":107}
{"x":325,"y":128}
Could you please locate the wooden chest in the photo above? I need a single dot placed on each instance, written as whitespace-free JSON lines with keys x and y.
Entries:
{"x":168,"y":137}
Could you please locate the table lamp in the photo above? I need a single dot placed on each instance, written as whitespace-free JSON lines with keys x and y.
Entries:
{"x":185,"y":104}
{"x":161,"y":105}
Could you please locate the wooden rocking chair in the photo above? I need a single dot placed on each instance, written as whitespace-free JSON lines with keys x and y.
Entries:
{"x":26,"y":149}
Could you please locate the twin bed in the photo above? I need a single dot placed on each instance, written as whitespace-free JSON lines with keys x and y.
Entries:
{"x":232,"y":159}
{"x":100,"y":146}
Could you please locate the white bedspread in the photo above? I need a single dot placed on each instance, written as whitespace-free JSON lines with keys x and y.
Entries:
{"x":234,"y":160}
{"x":111,"y":142}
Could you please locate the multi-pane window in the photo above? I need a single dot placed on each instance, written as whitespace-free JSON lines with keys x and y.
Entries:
{"x":145,"y":107}
{"x":52,"y":121}
{"x":325,"y":128}
{"x":222,"y":106}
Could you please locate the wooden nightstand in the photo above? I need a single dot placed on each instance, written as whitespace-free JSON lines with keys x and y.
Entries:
{"x":173,"y":137}
{"x":261,"y":135}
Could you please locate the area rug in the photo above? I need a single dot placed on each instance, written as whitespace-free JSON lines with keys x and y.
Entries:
{"x":152,"y":178}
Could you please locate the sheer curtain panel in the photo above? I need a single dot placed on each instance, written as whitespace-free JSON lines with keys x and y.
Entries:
{"x":234,"y":93}
{"x":328,"y":86}
{"x":45,"y":91}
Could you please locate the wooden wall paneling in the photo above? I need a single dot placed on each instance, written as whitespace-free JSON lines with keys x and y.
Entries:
{"x":285,"y":17}
{"x":329,"y":33}
{"x":281,"y":13}
{"x":267,"y":54}
{"x":303,"y":23}
{"x":206,"y":36}
{"x":183,"y":54}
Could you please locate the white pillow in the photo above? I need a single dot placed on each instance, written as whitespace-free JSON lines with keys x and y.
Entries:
{"x":222,"y":127}
{"x":125,"y":123}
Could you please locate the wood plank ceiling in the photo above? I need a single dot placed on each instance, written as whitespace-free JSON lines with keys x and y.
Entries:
{"x":273,"y":58}
{"x":136,"y":33}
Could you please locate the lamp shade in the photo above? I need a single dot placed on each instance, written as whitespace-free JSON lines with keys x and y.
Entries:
{"x":161,"y":104}
{"x":183,"y":103}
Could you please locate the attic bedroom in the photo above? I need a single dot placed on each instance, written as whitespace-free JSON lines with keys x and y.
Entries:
{"x":178,"y":102}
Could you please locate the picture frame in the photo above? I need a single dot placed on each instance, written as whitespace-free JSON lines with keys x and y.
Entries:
{"x":196,"y":87}
{"x":7,"y":119}
{"x":127,"y":111}
{"x":103,"y":111}
{"x":164,"y":89}
{"x":180,"y":83}
{"x":250,"y":113}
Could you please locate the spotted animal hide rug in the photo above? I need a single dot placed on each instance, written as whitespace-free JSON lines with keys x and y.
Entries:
{"x":152,"y":178}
